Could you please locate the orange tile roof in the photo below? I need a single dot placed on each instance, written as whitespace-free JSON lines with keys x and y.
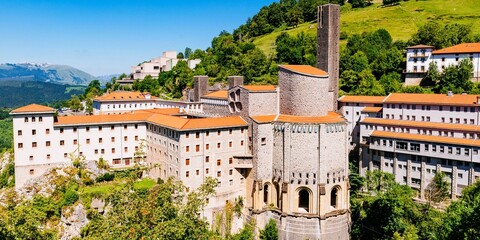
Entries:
{"x":372,"y":109}
{"x":332,"y":117}
{"x":460,"y":48}
{"x":33,"y":108}
{"x":416,"y":124}
{"x":420,"y":46}
{"x":102,"y":119}
{"x":124,"y":95}
{"x":362,"y":99}
{"x":432,"y":99}
{"x":220,"y":94}
{"x":165,"y":111}
{"x":260,"y":88}
{"x":426,"y":138}
{"x":305,"y":69}
{"x":197,"y":123}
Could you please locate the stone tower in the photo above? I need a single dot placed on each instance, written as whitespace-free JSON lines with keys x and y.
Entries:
{"x":328,"y":35}
{"x":200,"y":87}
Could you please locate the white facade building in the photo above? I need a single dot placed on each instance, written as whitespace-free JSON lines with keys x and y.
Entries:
{"x":155,"y":66}
{"x":419,"y":58}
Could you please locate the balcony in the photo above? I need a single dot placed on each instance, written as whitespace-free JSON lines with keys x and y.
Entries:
{"x":243,"y":162}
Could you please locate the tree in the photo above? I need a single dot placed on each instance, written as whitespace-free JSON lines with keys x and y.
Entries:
{"x":439,"y":189}
{"x":187,"y":52}
{"x":387,"y":61}
{"x":270,"y":232}
{"x":387,"y":2}
{"x":75,"y":104}
{"x":455,"y":78}
{"x":442,"y":36}
{"x":369,"y":85}
{"x":294,"y":17}
{"x":180,"y":55}
{"x":391,"y":82}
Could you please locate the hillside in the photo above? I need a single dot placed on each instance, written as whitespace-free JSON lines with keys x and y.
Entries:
{"x":61,"y":74}
{"x":400,"y":21}
{"x":15,"y":93}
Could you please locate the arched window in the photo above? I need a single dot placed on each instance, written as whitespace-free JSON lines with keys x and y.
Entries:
{"x":334,"y":197}
{"x":303,"y":201}
{"x":265,"y":194}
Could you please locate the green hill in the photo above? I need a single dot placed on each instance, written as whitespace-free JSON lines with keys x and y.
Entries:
{"x":400,"y":21}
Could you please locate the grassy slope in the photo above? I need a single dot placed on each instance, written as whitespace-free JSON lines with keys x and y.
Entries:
{"x":401,"y":21}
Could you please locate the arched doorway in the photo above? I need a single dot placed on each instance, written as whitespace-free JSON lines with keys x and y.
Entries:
{"x":265,"y":194}
{"x":303,"y":201}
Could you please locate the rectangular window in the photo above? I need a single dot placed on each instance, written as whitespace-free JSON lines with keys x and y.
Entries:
{"x":218,"y":132}
{"x":136,"y":138}
{"x":219,"y":162}
{"x":34,"y":132}
{"x":48,"y":156}
{"x":20,"y":145}
{"x":187,"y":135}
{"x":26,"y":119}
{"x":187,"y":174}
{"x":230,"y":172}
{"x":34,"y":144}
{"x":230,"y":160}
{"x":218,"y":145}
{"x":96,"y":151}
{"x":75,"y":141}
{"x":187,"y":148}
{"x":113,"y":150}
{"x":206,"y":170}
{"x":415,"y":147}
{"x":62,"y":142}
{"x":19,"y":132}
{"x":99,"y":128}
{"x":230,"y":131}
{"x":207,"y":133}
{"x":74,"y":129}
{"x":102,"y":151}
{"x":125,"y":138}
{"x":197,"y":148}
{"x":219,"y":173}
{"x":100,"y":140}
{"x":113,"y":139}
{"x":197,"y":135}
{"x":47,"y":143}
{"x":230,"y":144}
{"x":241,"y":143}
{"x":197,"y":172}
{"x":187,"y":161}
{"x":125,"y":127}
{"x":207,"y":146}
{"x":88,"y":140}
{"x":125,"y":149}
{"x":207,"y":159}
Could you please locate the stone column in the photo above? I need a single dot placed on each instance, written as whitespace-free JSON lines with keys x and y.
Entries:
{"x":382,"y":161}
{"x":285,"y":198}
{"x":360,"y":161}
{"x":454,"y":181}
{"x":370,"y":160}
{"x":423,"y":181}
{"x":322,"y":200}
{"x":395,"y":164}
{"x":471,"y":174}
{"x":409,"y":172}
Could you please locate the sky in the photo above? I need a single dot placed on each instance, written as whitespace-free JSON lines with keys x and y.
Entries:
{"x":103,"y":37}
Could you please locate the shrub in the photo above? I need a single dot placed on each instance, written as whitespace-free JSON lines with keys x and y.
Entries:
{"x":70,"y":197}
{"x":106,"y":177}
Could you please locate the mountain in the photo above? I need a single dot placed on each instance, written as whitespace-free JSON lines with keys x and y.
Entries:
{"x":60,"y":74}
{"x":106,"y":78}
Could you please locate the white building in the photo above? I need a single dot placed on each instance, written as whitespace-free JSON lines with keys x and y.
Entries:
{"x":414,"y":136}
{"x":419,"y":58}
{"x":155,"y":66}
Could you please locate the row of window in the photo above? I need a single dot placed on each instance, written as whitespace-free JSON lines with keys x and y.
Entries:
{"x":130,"y":105}
{"x":207,"y":160}
{"x":421,"y":131}
{"x":207,"y":146}
{"x":34,"y":119}
{"x":428,"y":107}
{"x":415,"y":147}
{"x":34,"y":132}
{"x":75,"y":142}
{"x":207,"y":170}
{"x":100,"y":128}
{"x":96,"y":151}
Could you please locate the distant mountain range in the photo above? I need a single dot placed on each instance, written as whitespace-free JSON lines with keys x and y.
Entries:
{"x":60,"y":74}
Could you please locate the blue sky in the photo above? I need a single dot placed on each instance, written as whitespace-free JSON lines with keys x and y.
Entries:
{"x":108,"y":36}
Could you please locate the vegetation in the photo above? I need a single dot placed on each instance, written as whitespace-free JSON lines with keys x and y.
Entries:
{"x":270,"y":232}
{"x":6,"y":130}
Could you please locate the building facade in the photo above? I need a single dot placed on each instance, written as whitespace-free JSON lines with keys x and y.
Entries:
{"x":419,"y":58}
{"x":155,"y":66}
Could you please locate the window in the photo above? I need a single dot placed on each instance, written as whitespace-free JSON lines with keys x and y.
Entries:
{"x":219,"y":162}
{"x":26,"y":119}
{"x":87,"y":129}
{"x":19,"y":133}
{"x":206,"y":170}
{"x":187,"y":174}
{"x":218,"y":132}
{"x":207,"y":159}
{"x":136,"y":126}
{"x":187,"y":161}
{"x":113,"y":139}
{"x":88,"y":140}
{"x":102,"y":151}
{"x":415,"y":147}
{"x":74,"y":129}
{"x":99,"y":128}
{"x":34,"y":132}
{"x":187,"y":148}
{"x":230,"y":172}
{"x":47,"y":131}
{"x":230,"y":144}
{"x":32,"y":171}
{"x":457,"y":151}
{"x":112,"y":127}
{"x":62,"y":142}
{"x":136,"y":138}
{"x":125,"y":149}
{"x":96,"y":151}
{"x":113,"y":150}
{"x":100,"y":140}
{"x":47,"y":143}
{"x":125,"y":127}
{"x":33,"y":119}
{"x":197,"y":148}
{"x":402,"y":145}
{"x":197,"y":172}
{"x":30,"y":158}
{"x":241,"y":143}
{"x":264,"y":141}
{"x":230,"y":160}
{"x":48,"y":156}
{"x":187,"y":135}
{"x":207,"y":133}
{"x":207,"y":146}
{"x":219,"y":173}
{"x":197,"y":135}
{"x":442,"y":149}
{"x":34,"y":144}
{"x":303,"y":200}
{"x":230,"y":131}
{"x":218,"y":145}
{"x":75,"y":141}
{"x":20,"y":145}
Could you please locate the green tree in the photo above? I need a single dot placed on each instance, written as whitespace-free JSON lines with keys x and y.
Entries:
{"x":180,"y":55}
{"x":294,"y":17}
{"x":439,"y":189}
{"x":456,"y":78}
{"x":442,"y":36}
{"x":368,"y":85}
{"x":391,"y":82}
{"x":187,"y":52}
{"x":75,"y":104}
{"x":270,"y":232}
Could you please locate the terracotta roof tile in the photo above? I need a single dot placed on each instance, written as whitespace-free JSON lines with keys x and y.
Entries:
{"x":33,"y":108}
{"x":372,"y":109}
{"x":417,"y":124}
{"x":220,"y":94}
{"x":426,"y":138}
{"x":460,"y":48}
{"x":196,"y":123}
{"x":103,"y":119}
{"x":433,"y":99}
{"x":124,"y":95}
{"x":362,"y":99}
{"x":332,"y":117}
{"x":420,"y":46}
{"x":260,"y":88}
{"x":305,"y":69}
{"x":164,"y":111}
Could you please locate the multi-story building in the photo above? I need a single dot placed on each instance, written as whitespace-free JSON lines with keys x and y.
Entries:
{"x":419,"y":58}
{"x":283,"y":148}
{"x":414,"y":136}
{"x":155,"y":66}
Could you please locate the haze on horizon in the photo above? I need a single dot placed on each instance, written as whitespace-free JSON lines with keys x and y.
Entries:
{"x":108,"y":36}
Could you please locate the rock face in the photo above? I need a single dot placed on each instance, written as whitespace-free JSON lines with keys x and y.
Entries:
{"x":73,"y":219}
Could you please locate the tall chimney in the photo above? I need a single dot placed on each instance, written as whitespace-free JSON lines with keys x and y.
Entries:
{"x":200,"y":87}
{"x":234,"y":81}
{"x":328,"y":50}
